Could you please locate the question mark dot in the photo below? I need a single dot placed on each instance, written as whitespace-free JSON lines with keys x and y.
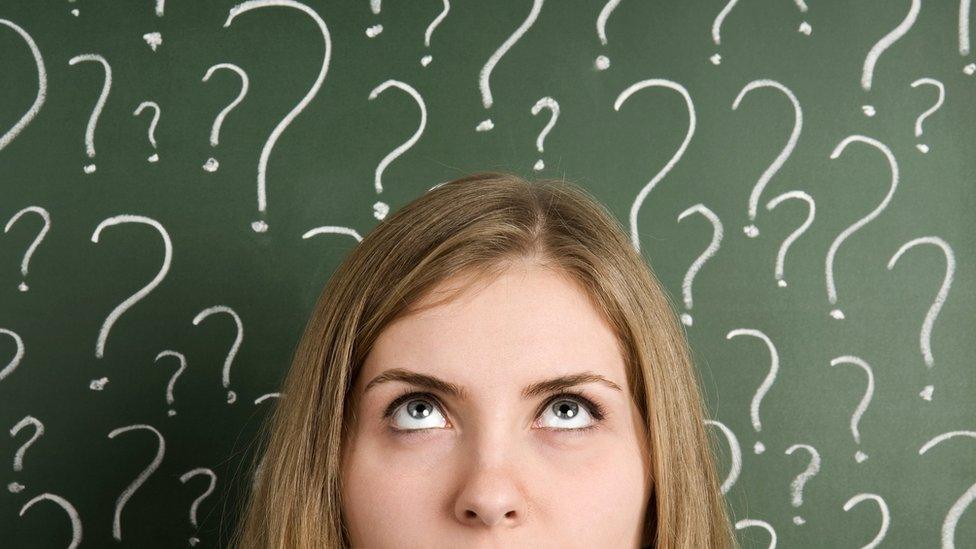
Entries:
{"x":798,"y":521}
{"x":927,"y":392}
{"x":686,"y":319}
{"x":231,"y":397}
{"x":194,"y":541}
{"x":602,"y":63}
{"x":171,"y":413}
{"x":868,"y":110}
{"x":15,"y":487}
{"x":751,"y":231}
{"x":374,"y":30}
{"x":425,"y":60}
{"x":716,"y":59}
{"x":485,"y":125}
{"x":922,"y":147}
{"x":781,"y":283}
{"x":759,"y":447}
{"x":860,"y":456}
{"x":805,"y":28}
{"x":153,"y":158}
{"x":539,"y":165}
{"x":838,"y":314}
{"x":90,"y":168}
{"x":22,"y":287}
{"x":969,"y":69}
{"x":380,"y":209}
{"x":211,"y":165}
{"x":74,"y":12}
{"x":259,"y":226}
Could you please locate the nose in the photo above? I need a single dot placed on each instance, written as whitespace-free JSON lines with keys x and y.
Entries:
{"x":490,"y":497}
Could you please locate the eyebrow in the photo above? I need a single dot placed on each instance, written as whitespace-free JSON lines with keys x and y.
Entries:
{"x":532,"y":390}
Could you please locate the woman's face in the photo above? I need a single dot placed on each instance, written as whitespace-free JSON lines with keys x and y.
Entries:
{"x":480,"y":454}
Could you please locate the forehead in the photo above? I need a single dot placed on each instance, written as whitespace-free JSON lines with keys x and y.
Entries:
{"x":526,"y":324}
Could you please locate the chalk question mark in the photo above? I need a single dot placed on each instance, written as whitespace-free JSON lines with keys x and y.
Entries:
{"x":938,"y":103}
{"x":19,"y":456}
{"x":152,"y":125}
{"x":172,"y":380}
{"x":155,"y":39}
{"x":99,"y":105}
{"x":483,"y":78}
{"x":796,"y":487}
{"x":68,"y":509}
{"x":381,"y":209}
{"x":35,"y":107}
{"x":885,"y":516}
{"x":46,"y":217}
{"x":717,"y":232}
{"x":144,"y":291}
{"x":231,"y":395}
{"x":767,"y":383}
{"x":139,"y":480}
{"x":261,"y":225}
{"x":925,"y":335}
{"x":624,"y":95}
{"x":553,"y":106}
{"x":18,"y":356}
{"x":425,"y":60}
{"x":196,"y":503}
{"x":867,"y":72}
{"x":736,"y":452}
{"x":785,"y":246}
{"x":893,"y":165}
{"x":960,"y":505}
{"x":212,"y":164}
{"x":865,"y":400}
{"x":602,"y":62}
{"x":751,"y":230}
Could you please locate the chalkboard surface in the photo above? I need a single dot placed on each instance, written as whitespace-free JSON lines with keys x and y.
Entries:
{"x":179,"y":180}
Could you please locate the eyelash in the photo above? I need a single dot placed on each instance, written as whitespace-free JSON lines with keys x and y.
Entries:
{"x":597,"y":411}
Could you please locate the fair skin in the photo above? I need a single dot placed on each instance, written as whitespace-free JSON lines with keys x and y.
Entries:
{"x":496,"y":468}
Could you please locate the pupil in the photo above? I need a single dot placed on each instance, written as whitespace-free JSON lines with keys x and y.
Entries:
{"x":569,"y":408}
{"x":424,"y":413}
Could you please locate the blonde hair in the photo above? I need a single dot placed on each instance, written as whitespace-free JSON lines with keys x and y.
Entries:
{"x":480,"y":224}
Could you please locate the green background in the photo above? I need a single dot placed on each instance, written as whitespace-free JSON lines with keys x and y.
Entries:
{"x":321,"y":173}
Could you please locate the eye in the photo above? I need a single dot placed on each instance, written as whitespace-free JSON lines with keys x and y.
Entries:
{"x":569,"y":411}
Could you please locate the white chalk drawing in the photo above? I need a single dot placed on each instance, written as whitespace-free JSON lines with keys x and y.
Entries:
{"x":735,"y":452}
{"x":76,"y":529}
{"x":15,"y":487}
{"x":18,"y":355}
{"x":796,"y":487}
{"x":925,"y":336}
{"x":201,"y":316}
{"x":172,"y":380}
{"x":837,"y":313}
{"x":196,"y":503}
{"x":99,"y":105}
{"x":885,"y":516}
{"x":212,"y":163}
{"x":862,"y":406}
{"x":35,"y":107}
{"x":427,"y":58}
{"x":267,"y":396}
{"x":381,"y":209}
{"x":867,"y":72}
{"x":484,"y":78}
{"x":751,"y":230}
{"x":938,"y":103}
{"x":710,"y":251}
{"x":767,"y":382}
{"x":152,"y":125}
{"x":144,"y":291}
{"x":756,"y":523}
{"x":960,"y":505}
{"x":602,"y":62}
{"x":778,"y":269}
{"x":46,"y":218}
{"x":553,"y":106}
{"x":624,"y":95}
{"x":139,"y":480}
{"x":332,"y":229}
{"x":261,"y":225}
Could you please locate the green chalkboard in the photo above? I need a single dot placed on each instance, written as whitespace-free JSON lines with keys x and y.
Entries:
{"x":178,"y":181}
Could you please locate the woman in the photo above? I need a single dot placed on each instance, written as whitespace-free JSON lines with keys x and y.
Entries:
{"x":493,"y":365}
